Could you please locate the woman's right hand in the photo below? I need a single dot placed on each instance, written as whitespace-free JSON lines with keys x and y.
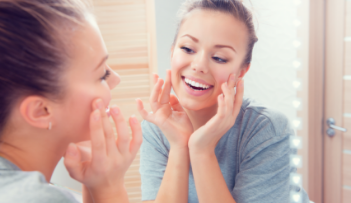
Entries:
{"x":167,"y":113}
{"x":103,"y":174}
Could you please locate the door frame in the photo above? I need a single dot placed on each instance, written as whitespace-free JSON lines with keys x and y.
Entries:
{"x":326,"y":65}
{"x":334,"y":69}
{"x":315,"y":99}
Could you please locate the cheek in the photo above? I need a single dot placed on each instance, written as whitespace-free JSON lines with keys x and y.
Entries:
{"x":221,"y":77}
{"x":179,"y":61}
{"x":79,"y":107}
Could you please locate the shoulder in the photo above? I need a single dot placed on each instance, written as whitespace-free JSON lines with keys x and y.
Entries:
{"x":255,"y":115}
{"x":21,"y":186}
{"x":261,"y":128}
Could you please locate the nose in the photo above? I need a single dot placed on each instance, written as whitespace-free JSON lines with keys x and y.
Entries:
{"x":113,"y":80}
{"x":200,"y":63}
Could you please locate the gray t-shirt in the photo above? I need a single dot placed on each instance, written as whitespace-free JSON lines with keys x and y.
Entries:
{"x":254,"y":157}
{"x":18,"y":186}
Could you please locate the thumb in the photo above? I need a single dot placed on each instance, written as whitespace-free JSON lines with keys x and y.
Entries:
{"x":73,"y":163}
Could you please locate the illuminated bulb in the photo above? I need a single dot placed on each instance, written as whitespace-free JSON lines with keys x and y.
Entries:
{"x":296,"y":84}
{"x":296,"y":103}
{"x":297,"y":23}
{"x":295,"y":142}
{"x":297,"y":43}
{"x":296,"y":197}
{"x":296,"y":123}
{"x":296,"y":161}
{"x":297,"y":2}
{"x":296,"y":64}
{"x":296,"y":179}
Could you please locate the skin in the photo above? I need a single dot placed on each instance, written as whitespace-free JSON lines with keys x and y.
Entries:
{"x":78,"y":116}
{"x":206,"y":48}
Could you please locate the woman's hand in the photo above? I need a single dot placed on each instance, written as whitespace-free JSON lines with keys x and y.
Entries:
{"x":103,"y":172}
{"x":206,"y":137}
{"x":167,"y":113}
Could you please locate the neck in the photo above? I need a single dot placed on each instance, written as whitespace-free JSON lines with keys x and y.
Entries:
{"x":200,"y":117}
{"x":32,"y":153}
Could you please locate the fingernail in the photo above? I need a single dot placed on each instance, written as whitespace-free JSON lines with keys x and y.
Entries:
{"x":241,"y":84}
{"x":232,"y":78}
{"x":99,"y":104}
{"x":115,"y":110}
{"x":71,"y":150}
{"x":134,"y":119}
{"x":226,"y":84}
{"x":96,"y":115}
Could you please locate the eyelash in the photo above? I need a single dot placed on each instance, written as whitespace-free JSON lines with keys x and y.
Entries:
{"x":187,"y":50}
{"x":219,"y":60}
{"x":107,"y":74}
{"x":190,"y":51}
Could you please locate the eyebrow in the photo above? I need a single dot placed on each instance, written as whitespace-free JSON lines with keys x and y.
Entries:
{"x":101,"y":62}
{"x":217,"y":46}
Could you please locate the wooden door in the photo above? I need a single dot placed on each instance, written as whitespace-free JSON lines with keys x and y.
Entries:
{"x":128,"y":29}
{"x":337,"y":97}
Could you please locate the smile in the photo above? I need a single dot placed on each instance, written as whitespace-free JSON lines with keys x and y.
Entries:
{"x":197,"y":86}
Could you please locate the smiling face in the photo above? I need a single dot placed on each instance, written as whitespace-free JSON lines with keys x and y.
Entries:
{"x":209,"y":47}
{"x":87,"y":77}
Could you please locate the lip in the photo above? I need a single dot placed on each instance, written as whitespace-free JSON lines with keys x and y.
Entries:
{"x":193,"y":92}
{"x":197,"y":80}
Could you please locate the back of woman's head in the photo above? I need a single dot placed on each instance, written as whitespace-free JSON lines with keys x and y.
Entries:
{"x":32,"y":48}
{"x":232,"y":7}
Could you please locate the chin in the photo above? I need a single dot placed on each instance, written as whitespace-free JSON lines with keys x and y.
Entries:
{"x":192,"y":105}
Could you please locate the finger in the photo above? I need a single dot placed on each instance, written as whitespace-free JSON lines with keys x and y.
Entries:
{"x":73,"y":162}
{"x":122,"y":130}
{"x":231,"y":81}
{"x":84,"y":150}
{"x":155,"y":93}
{"x":137,"y":136}
{"x":85,"y":153}
{"x":166,"y":89}
{"x":155,"y":78}
{"x":228,"y":97}
{"x":175,"y":103}
{"x":142,"y":111}
{"x":238,"y":98}
{"x":107,"y":128}
{"x":98,"y":144}
{"x":221,"y":106}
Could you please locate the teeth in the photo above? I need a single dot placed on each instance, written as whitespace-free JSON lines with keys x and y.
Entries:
{"x":196,"y":84}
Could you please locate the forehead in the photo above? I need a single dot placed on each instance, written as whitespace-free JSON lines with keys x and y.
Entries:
{"x":87,"y":41}
{"x":214,"y":26}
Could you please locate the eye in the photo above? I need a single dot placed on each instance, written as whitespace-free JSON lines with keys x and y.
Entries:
{"x":219,"y":60}
{"x":107,"y":73}
{"x":187,"y":50}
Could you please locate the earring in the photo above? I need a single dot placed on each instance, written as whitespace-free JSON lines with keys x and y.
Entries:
{"x":50,"y":126}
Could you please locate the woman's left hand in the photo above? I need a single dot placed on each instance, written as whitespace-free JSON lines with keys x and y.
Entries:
{"x":205,"y":139}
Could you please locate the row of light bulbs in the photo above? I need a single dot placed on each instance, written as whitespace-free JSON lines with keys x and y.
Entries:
{"x":296,"y":141}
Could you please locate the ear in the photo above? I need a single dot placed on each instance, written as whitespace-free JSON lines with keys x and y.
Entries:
{"x":36,"y":111}
{"x":244,"y":70}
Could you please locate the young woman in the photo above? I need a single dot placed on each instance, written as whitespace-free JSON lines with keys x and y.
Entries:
{"x":55,"y":88}
{"x":212,"y":145}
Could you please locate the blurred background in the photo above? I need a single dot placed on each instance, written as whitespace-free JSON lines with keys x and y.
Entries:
{"x":301,"y":67}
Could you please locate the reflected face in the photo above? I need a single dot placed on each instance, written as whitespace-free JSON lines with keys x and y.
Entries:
{"x":209,"y":47}
{"x":87,"y":77}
